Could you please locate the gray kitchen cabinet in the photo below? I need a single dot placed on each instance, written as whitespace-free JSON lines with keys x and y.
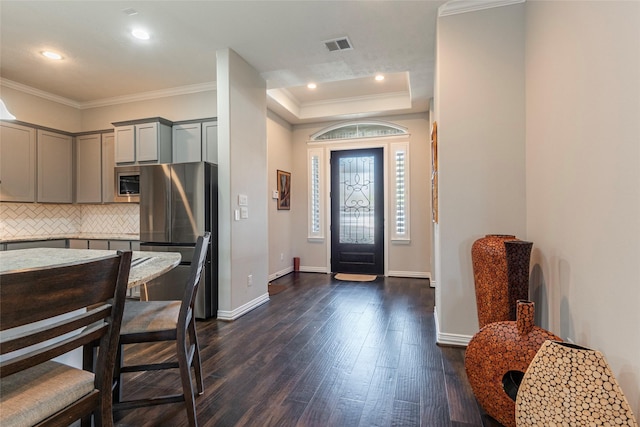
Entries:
{"x":55,"y":167}
{"x":195,"y":141}
{"x":187,"y":142}
{"x":99,"y":244}
{"x":17,"y":163}
{"x":78,"y":244}
{"x":210,"y":141}
{"x":108,"y":167}
{"x":120,"y":245}
{"x":55,"y":243}
{"x":94,"y":168}
{"x":145,"y":141}
{"x":89,"y":168}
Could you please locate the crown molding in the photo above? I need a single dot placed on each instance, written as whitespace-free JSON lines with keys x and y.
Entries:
{"x":39,"y":93}
{"x":455,"y":7}
{"x":143,"y":96}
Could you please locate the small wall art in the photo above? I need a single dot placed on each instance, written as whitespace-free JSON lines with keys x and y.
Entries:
{"x":284,"y":190}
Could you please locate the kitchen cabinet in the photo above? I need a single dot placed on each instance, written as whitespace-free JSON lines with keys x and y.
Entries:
{"x":210,"y":141}
{"x":55,"y":243}
{"x":187,"y":142}
{"x":78,"y":244}
{"x":94,"y":168}
{"x":195,"y":141}
{"x":55,"y":167}
{"x":145,"y":141}
{"x":17,"y":163}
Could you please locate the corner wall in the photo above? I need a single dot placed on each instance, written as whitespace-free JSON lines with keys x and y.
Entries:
{"x":480,"y":110}
{"x":242,"y":155}
{"x":583,"y":176}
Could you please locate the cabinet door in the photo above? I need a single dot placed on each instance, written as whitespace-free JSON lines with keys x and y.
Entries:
{"x":55,"y":167}
{"x":108,"y":167}
{"x":125,"y":140}
{"x":147,"y":142}
{"x":17,"y":163}
{"x":78,"y":244}
{"x":210,"y":142}
{"x":187,"y":143}
{"x":99,"y":244}
{"x":89,"y":169}
{"x":120,"y":245}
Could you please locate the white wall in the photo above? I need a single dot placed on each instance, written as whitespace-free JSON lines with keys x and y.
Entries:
{"x":242,"y":156}
{"x":39,"y":111}
{"x":412,"y":258}
{"x":280,"y":157}
{"x":583,"y":175}
{"x":174,"y":108}
{"x":479,"y":107}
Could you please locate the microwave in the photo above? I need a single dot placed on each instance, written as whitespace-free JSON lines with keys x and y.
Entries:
{"x":127,"y":185}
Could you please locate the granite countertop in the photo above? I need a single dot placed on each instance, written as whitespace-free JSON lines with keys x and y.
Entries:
{"x":145,"y":266}
{"x":80,"y":236}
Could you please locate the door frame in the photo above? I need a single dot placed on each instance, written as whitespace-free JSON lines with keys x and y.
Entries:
{"x":384,"y":144}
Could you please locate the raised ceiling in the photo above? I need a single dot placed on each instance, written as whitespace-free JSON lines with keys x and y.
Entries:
{"x":283,"y":40}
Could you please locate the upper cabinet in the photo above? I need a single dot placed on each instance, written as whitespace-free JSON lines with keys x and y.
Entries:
{"x":145,"y":141}
{"x":17,"y":163}
{"x":55,"y":167}
{"x":95,"y":168}
{"x":195,"y":141}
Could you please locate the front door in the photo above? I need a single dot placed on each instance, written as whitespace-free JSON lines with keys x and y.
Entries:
{"x":357,"y":208}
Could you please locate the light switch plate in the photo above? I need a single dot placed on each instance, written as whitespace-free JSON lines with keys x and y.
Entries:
{"x":275,"y":194}
{"x":236,"y":214}
{"x":243,"y":200}
{"x":244,"y":212}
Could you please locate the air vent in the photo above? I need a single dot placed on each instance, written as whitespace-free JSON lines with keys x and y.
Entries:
{"x":341,"y":43}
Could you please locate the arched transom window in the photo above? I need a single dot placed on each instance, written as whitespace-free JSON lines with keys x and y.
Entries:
{"x":355,"y":130}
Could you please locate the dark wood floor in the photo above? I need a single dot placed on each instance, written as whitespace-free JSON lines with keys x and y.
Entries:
{"x":321,"y":353}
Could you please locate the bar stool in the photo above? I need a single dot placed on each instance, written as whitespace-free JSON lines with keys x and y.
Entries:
{"x":156,"y":321}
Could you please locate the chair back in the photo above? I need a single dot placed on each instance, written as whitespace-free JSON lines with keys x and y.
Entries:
{"x":191,"y":287}
{"x":88,"y":300}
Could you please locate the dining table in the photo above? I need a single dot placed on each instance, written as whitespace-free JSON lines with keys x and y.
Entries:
{"x":145,"y":266}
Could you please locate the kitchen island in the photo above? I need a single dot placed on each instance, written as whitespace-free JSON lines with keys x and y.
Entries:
{"x":145,"y":266}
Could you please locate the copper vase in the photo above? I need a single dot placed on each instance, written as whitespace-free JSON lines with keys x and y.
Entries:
{"x":490,"y":277}
{"x":518,"y":255}
{"x":497,"y":358}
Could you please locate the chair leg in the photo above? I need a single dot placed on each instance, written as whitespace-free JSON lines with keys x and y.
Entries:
{"x":197,"y":364}
{"x":187,"y":384}
{"x":117,"y":374}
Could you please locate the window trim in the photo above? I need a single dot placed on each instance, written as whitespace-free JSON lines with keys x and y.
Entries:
{"x":312,"y":233}
{"x":395,"y":148}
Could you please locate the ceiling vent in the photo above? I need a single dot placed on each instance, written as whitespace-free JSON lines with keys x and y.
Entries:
{"x":341,"y":43}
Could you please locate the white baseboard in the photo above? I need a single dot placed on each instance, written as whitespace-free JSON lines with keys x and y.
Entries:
{"x":281,"y":273}
{"x":243,"y":309}
{"x":413,"y":274}
{"x":309,"y":269}
{"x":449,"y":339}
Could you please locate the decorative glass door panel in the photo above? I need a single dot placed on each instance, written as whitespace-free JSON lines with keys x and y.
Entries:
{"x":357,"y":211}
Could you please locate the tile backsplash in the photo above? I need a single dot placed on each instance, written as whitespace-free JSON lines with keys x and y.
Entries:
{"x":34,"y":219}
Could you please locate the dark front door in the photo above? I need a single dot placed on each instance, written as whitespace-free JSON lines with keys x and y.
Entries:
{"x":357,"y":208}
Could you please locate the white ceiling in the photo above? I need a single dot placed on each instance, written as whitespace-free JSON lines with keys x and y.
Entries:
{"x":283,"y":40}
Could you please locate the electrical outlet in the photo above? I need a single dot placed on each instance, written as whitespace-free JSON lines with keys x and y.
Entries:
{"x":250,"y":280}
{"x":281,"y":256}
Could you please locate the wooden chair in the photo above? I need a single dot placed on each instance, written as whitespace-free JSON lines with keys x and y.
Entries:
{"x":155,"y":321}
{"x":88,"y":300}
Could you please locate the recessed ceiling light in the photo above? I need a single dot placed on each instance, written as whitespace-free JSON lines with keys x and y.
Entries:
{"x":379,"y":77}
{"x":140,"y":34}
{"x":312,"y":86}
{"x":51,"y":55}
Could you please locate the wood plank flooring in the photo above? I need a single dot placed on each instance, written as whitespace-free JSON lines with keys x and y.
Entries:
{"x":320,"y":353}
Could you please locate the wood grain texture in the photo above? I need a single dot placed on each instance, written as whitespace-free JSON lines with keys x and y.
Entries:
{"x":324,"y":353}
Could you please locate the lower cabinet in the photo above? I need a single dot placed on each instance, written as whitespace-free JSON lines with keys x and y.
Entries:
{"x":56,"y":243}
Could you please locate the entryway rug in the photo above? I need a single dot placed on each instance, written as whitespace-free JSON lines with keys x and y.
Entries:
{"x":355,"y":277}
{"x":275,"y":289}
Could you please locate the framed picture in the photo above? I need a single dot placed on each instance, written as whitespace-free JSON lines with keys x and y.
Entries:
{"x":284,"y":190}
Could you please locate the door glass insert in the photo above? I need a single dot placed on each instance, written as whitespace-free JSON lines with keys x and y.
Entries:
{"x":357,"y":201}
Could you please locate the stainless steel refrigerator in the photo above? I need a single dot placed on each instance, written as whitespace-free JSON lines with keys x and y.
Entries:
{"x":179,"y":202}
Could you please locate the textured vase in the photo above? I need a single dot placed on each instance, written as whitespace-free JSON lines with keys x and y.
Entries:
{"x":490,"y":276}
{"x":571,"y":385}
{"x":518,"y":256}
{"x":497,"y":357}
